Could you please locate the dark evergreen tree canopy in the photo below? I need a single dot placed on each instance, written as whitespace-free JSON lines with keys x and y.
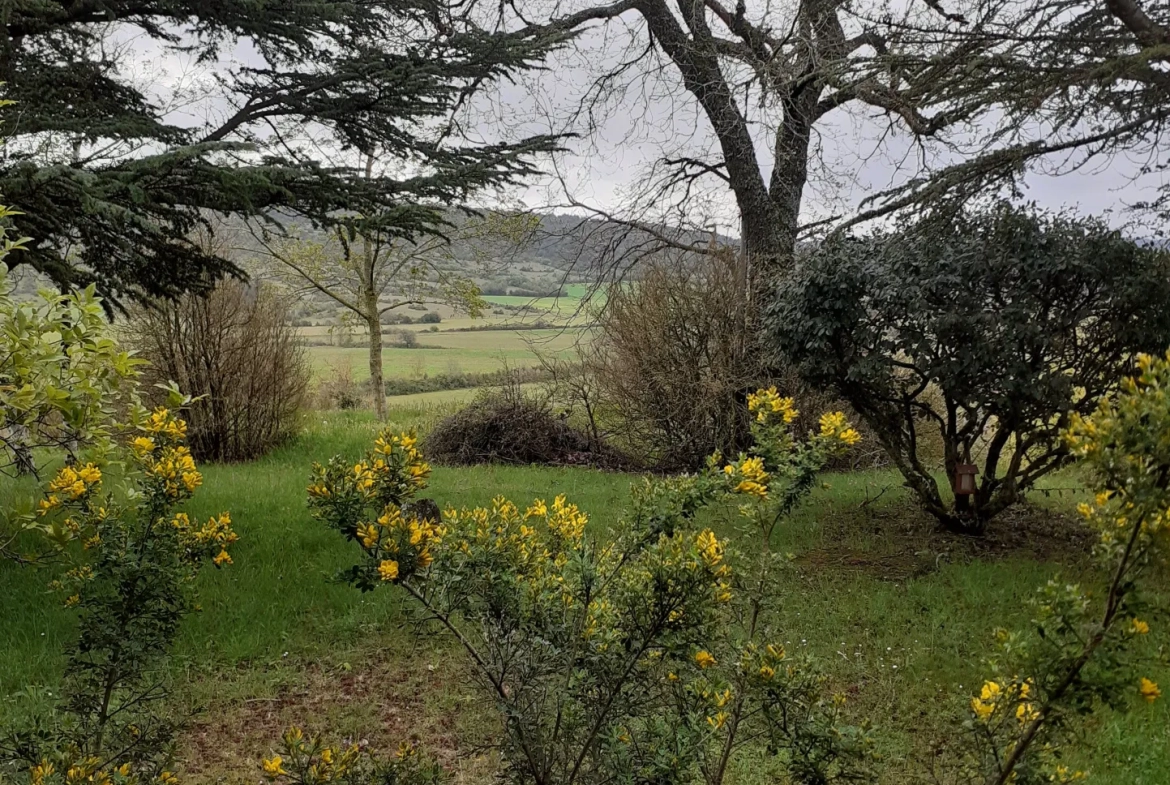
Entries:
{"x":982,"y":333}
{"x":112,"y":185}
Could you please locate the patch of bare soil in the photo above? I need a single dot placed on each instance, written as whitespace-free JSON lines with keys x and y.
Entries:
{"x":390,"y":698}
{"x":899,"y":541}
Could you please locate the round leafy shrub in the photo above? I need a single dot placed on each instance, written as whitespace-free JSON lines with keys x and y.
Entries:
{"x":988,"y":331}
{"x":430,"y":317}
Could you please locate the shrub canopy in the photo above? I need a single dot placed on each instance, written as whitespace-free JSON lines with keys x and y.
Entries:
{"x":236,"y":350}
{"x":991,"y":328}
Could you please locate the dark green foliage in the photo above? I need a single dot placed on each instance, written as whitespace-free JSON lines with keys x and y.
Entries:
{"x":113,"y":184}
{"x":990,"y":329}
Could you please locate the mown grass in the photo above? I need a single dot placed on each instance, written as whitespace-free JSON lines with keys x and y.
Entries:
{"x":901,"y":617}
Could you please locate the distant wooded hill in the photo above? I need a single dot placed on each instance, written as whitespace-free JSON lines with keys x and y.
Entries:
{"x":563,"y":249}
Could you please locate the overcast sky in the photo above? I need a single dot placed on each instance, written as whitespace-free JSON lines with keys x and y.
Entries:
{"x":859,"y":153}
{"x":645,"y":117}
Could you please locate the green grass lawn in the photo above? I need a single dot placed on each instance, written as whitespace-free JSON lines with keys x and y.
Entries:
{"x":901,"y":617}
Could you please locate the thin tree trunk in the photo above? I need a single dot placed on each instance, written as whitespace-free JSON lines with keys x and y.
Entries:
{"x":377,"y":384}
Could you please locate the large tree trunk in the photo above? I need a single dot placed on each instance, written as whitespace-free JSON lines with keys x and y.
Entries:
{"x":790,"y":171}
{"x":700,"y":71}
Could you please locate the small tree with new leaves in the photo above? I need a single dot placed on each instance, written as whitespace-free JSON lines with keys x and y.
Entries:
{"x":63,"y":377}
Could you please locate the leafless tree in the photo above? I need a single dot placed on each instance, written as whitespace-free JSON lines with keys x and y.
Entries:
{"x":764,"y":79}
{"x":368,"y":271}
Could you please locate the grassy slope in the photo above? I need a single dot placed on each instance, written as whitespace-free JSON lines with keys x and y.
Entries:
{"x":903,"y":620}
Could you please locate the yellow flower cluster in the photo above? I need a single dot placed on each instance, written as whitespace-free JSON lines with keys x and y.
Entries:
{"x":315,"y":763}
{"x":216,"y":533}
{"x":751,"y":476}
{"x":143,"y":446}
{"x":274,"y":766}
{"x":396,"y":540}
{"x":1114,"y":522}
{"x":1149,"y":690}
{"x":403,"y":446}
{"x":364,"y":477}
{"x":163,"y":456}
{"x":175,"y":469}
{"x":720,"y":699}
{"x":91,"y":771}
{"x":503,"y":530}
{"x":1063,"y":775}
{"x":995,"y":694}
{"x":393,"y":471}
{"x":709,"y":547}
{"x":162,"y":423}
{"x":713,"y":698}
{"x":405,"y":537}
{"x":564,"y":519}
{"x":599,"y":624}
{"x":834,"y":425}
{"x":75,"y":483}
{"x":704,"y":659}
{"x":767,"y":403}
{"x":39,"y":772}
{"x":763,"y":664}
{"x":711,"y":551}
{"x":1126,"y":441}
{"x":984,"y":704}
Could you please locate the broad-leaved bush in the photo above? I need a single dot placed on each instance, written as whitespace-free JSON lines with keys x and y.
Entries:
{"x":986,"y":333}
{"x":64,"y":380}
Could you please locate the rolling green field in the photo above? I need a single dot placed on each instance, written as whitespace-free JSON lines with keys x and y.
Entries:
{"x":900,"y":616}
{"x":459,"y":345}
{"x":568,"y":304}
{"x":452,"y":353}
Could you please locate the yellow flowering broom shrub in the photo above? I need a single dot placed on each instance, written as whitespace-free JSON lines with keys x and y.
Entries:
{"x":311,"y":761}
{"x":1083,"y":650}
{"x":134,"y":557}
{"x":64,"y":381}
{"x":645,"y":656}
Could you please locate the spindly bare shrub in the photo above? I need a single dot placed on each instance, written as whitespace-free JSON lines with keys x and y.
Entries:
{"x":674,"y":360}
{"x":236,"y":352}
{"x":676,"y":355}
